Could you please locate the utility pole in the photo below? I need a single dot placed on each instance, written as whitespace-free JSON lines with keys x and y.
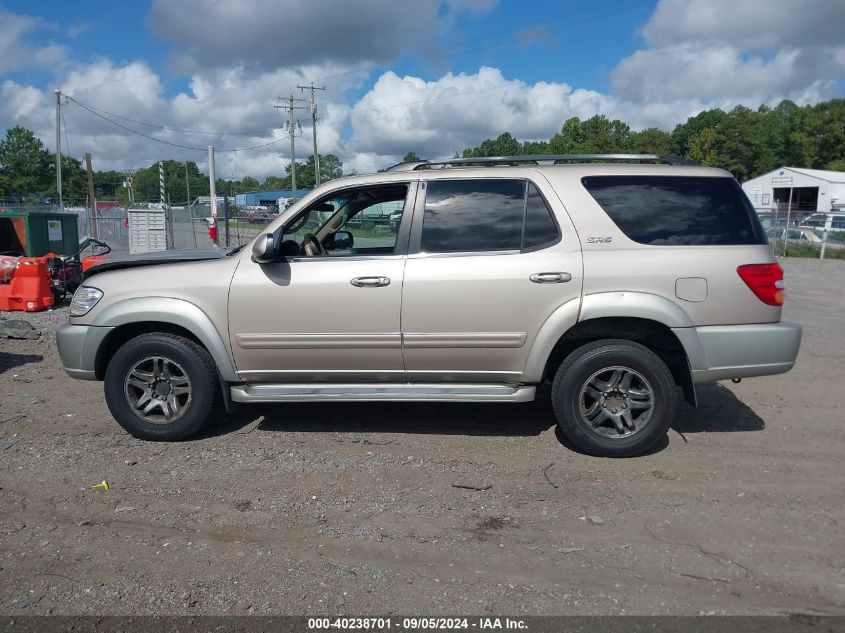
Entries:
{"x":212,"y":192}
{"x":313,"y":106}
{"x":165,"y":200}
{"x":291,"y":127}
{"x":128,"y":184}
{"x":59,"y":148}
{"x":187,"y":184}
{"x":91,"y":197}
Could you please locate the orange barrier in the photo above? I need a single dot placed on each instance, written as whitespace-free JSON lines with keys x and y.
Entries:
{"x":29,"y":288}
{"x":87,"y":262}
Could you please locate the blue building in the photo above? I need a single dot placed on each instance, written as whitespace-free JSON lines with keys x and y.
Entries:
{"x":266,"y":198}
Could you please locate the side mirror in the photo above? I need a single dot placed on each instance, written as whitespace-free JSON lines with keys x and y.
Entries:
{"x":265,"y":250}
{"x":342,"y":240}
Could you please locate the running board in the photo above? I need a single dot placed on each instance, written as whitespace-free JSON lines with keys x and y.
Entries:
{"x":405,"y":392}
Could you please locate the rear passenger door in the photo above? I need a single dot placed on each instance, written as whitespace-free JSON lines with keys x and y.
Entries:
{"x":489,"y":260}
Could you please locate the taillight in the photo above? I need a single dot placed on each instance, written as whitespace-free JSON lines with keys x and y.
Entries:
{"x":765,"y":281}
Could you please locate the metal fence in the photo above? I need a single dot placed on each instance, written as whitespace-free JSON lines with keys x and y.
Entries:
{"x":188,"y":226}
{"x":792,"y":233}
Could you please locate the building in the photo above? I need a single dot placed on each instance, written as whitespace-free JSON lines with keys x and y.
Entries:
{"x":811,"y":191}
{"x":266,"y":198}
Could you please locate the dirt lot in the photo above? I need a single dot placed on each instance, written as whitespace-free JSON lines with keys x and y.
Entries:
{"x":351,"y":508}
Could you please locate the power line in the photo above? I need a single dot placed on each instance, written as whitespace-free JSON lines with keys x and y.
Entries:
{"x":173,"y":129}
{"x":158,"y":140}
{"x":64,"y":125}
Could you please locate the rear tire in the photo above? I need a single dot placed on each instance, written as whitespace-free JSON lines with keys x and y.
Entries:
{"x":613,"y":398}
{"x":162,"y":387}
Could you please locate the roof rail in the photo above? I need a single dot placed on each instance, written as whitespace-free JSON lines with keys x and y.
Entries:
{"x":541,"y":159}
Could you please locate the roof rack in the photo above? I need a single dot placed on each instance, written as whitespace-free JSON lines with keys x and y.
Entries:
{"x":541,"y":159}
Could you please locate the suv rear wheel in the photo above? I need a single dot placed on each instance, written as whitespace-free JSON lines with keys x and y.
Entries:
{"x":613,"y":398}
{"x":162,"y":387}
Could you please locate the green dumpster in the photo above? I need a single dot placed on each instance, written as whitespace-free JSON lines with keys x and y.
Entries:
{"x":35,"y":233}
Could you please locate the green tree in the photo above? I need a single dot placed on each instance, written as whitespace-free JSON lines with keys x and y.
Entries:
{"x":683,"y":132}
{"x":409,"y":157}
{"x":535,"y":147}
{"x":701,"y":147}
{"x":74,"y":179}
{"x":26,"y":165}
{"x":331,"y":167}
{"x":248,"y":183}
{"x":504,"y":145}
{"x":596,"y":135}
{"x":107,"y":184}
{"x":273,"y":182}
{"x":650,"y":141}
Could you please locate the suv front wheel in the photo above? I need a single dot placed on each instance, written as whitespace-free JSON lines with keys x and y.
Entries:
{"x":613,"y":398}
{"x":162,"y":387}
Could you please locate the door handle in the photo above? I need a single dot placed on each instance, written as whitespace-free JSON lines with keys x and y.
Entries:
{"x":550,"y":278}
{"x":370,"y":282}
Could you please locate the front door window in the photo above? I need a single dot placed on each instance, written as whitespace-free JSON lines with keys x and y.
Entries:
{"x":361,"y":221}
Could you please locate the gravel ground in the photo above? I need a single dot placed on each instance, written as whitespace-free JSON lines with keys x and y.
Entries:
{"x":352,"y":508}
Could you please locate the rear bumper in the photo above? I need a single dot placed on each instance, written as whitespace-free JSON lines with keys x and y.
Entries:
{"x":720,"y":352}
{"x":78,"y":347}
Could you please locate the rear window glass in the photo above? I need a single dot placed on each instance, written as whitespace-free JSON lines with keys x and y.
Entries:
{"x":677,"y":210}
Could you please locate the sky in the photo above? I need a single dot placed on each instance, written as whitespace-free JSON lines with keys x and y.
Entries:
{"x":428,"y":76}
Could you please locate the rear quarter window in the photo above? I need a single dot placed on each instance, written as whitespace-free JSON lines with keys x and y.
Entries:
{"x":677,"y":210}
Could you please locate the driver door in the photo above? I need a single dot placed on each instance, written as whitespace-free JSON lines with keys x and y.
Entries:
{"x":328,"y":314}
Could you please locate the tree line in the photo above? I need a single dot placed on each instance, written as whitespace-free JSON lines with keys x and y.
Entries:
{"x":743,"y":141}
{"x":28,"y":173}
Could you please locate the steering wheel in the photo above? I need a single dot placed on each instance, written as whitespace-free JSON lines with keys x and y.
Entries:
{"x":311,"y":243}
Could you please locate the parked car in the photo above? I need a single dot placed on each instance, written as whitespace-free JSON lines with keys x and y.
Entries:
{"x":620,"y":284}
{"x":818,"y":222}
{"x":804,"y":235}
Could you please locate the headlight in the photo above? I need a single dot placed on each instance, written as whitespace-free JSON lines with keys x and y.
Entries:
{"x":84,"y":299}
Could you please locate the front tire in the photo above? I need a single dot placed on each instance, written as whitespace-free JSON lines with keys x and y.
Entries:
{"x":162,"y":387}
{"x":613,"y":398}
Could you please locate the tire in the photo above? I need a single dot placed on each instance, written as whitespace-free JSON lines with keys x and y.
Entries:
{"x":173,"y":376}
{"x":608,"y":420}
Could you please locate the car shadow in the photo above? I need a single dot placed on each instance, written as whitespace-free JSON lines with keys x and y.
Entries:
{"x":719,"y":410}
{"x":10,"y":361}
{"x":435,"y":418}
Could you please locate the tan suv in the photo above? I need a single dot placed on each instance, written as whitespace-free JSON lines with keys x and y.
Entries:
{"x":463,"y":280}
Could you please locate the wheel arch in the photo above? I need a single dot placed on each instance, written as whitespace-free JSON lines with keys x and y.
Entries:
{"x":608,"y":316}
{"x":133,"y":317}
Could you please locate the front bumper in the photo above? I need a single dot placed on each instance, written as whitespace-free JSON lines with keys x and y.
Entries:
{"x":78,"y":347}
{"x":720,"y":352}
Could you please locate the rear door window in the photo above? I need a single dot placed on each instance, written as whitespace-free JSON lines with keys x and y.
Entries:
{"x":478,"y":215}
{"x":677,"y":210}
{"x":473,"y":215}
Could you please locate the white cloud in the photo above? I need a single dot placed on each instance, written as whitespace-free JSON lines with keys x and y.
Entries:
{"x":695,"y":58}
{"x":437,"y":118}
{"x":16,"y":49}
{"x":750,"y":24}
{"x":232,"y":100}
{"x":270,"y":33}
{"x":728,"y":52}
{"x":719,"y":72}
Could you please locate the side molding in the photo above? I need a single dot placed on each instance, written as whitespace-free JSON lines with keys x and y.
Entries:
{"x":176,"y":312}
